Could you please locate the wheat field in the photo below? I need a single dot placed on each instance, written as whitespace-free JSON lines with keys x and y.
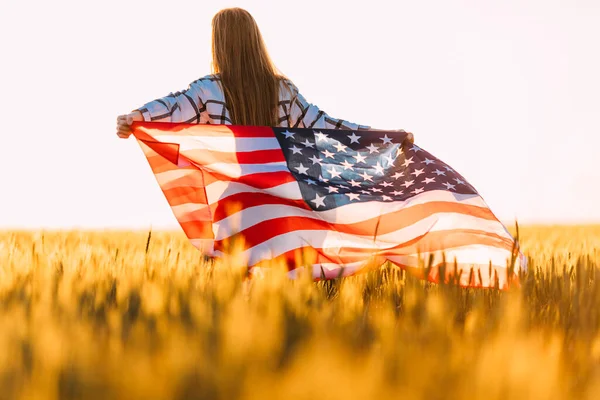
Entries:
{"x":142,"y":315}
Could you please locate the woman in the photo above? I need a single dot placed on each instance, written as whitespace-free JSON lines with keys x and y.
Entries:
{"x":244,"y":89}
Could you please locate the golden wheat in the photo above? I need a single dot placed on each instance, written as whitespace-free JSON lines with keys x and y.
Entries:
{"x":98,"y":315}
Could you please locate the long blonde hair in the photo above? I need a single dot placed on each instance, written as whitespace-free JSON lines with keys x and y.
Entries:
{"x":249,"y":79}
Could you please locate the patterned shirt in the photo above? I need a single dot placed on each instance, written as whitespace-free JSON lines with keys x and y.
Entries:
{"x":204,"y":103}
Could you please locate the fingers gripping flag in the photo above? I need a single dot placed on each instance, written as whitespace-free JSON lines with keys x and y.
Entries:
{"x":347,"y":199}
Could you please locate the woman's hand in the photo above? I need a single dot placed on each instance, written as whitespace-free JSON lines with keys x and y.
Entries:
{"x":124,"y":123}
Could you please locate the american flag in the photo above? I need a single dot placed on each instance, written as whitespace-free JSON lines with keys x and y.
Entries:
{"x":345,"y":200}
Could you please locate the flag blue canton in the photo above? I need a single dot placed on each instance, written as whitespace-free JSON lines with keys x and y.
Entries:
{"x":335,"y":167}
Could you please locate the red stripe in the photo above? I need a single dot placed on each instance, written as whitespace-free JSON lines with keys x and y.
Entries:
{"x":204,"y":130}
{"x":381,"y":225}
{"x":241,"y":201}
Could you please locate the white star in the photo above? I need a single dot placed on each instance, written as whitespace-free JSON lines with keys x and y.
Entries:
{"x":319,"y":201}
{"x":438,"y":172}
{"x":378,"y":168}
{"x":308,"y":144}
{"x":334,"y":173}
{"x":372,"y":149}
{"x":399,"y":151}
{"x":386,"y":198}
{"x":386,"y":184}
{"x":398,"y":175}
{"x":332,"y":189}
{"x":459,"y":181}
{"x":397,"y":192}
{"x":288,"y":134}
{"x":417,"y":172}
{"x":390,"y":160}
{"x":427,"y":161}
{"x":340,"y":147}
{"x":354,"y":183}
{"x":327,"y":153}
{"x":365,"y":192}
{"x":415,"y":148}
{"x":366,"y":176}
{"x":316,"y":160}
{"x":321,"y":136}
{"x":407,"y":162}
{"x":347,"y":165}
{"x":448,"y":168}
{"x":408,"y":183}
{"x":353,"y":196}
{"x":310,"y":181}
{"x":301,"y":169}
{"x":386,"y":139}
{"x":428,"y":180}
{"x":353,"y":138}
{"x":321,"y":179}
{"x":376,"y":190}
{"x":449,"y":185}
{"x":359,"y":158}
{"x":417,"y":191}
{"x":295,"y":150}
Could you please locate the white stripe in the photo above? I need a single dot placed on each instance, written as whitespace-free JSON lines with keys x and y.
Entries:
{"x":347,"y":214}
{"x":280,"y":244}
{"x":220,"y":190}
{"x":185,"y":212}
{"x":470,"y":254}
{"x":230,"y":170}
{"x":219,"y":143}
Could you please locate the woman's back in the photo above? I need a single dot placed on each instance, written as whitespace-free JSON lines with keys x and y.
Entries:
{"x":204,"y":102}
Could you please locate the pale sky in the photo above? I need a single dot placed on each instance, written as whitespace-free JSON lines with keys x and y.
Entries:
{"x":506,"y":92}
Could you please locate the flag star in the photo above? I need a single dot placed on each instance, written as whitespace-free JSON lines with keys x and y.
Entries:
{"x":319,"y":201}
{"x":390,"y":160}
{"x":397,"y":192}
{"x":288,"y":134}
{"x":354,"y":138}
{"x":386,"y":198}
{"x":418,"y":190}
{"x":332,"y":189}
{"x":340,"y":147}
{"x":378,"y":168}
{"x":415,"y":148}
{"x":449,"y":185}
{"x":366,"y":177}
{"x":321,"y":136}
{"x":365,"y":192}
{"x":353,"y":196}
{"x":386,"y":184}
{"x":386,"y":139}
{"x":427,"y":161}
{"x":398,"y":175}
{"x":399,"y":151}
{"x":316,"y":160}
{"x":310,"y":181}
{"x":306,"y":143}
{"x":372,"y":149}
{"x":359,"y":158}
{"x":354,"y":183}
{"x":448,"y":168}
{"x":459,"y":181}
{"x":295,"y":150}
{"x":334,"y":173}
{"x":407,"y":162}
{"x":408,"y":183}
{"x":376,"y":190}
{"x":347,"y":165}
{"x":438,"y":172}
{"x":321,"y":179}
{"x":428,"y":180}
{"x":327,"y":153}
{"x":417,"y":172}
{"x":301,"y":169}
